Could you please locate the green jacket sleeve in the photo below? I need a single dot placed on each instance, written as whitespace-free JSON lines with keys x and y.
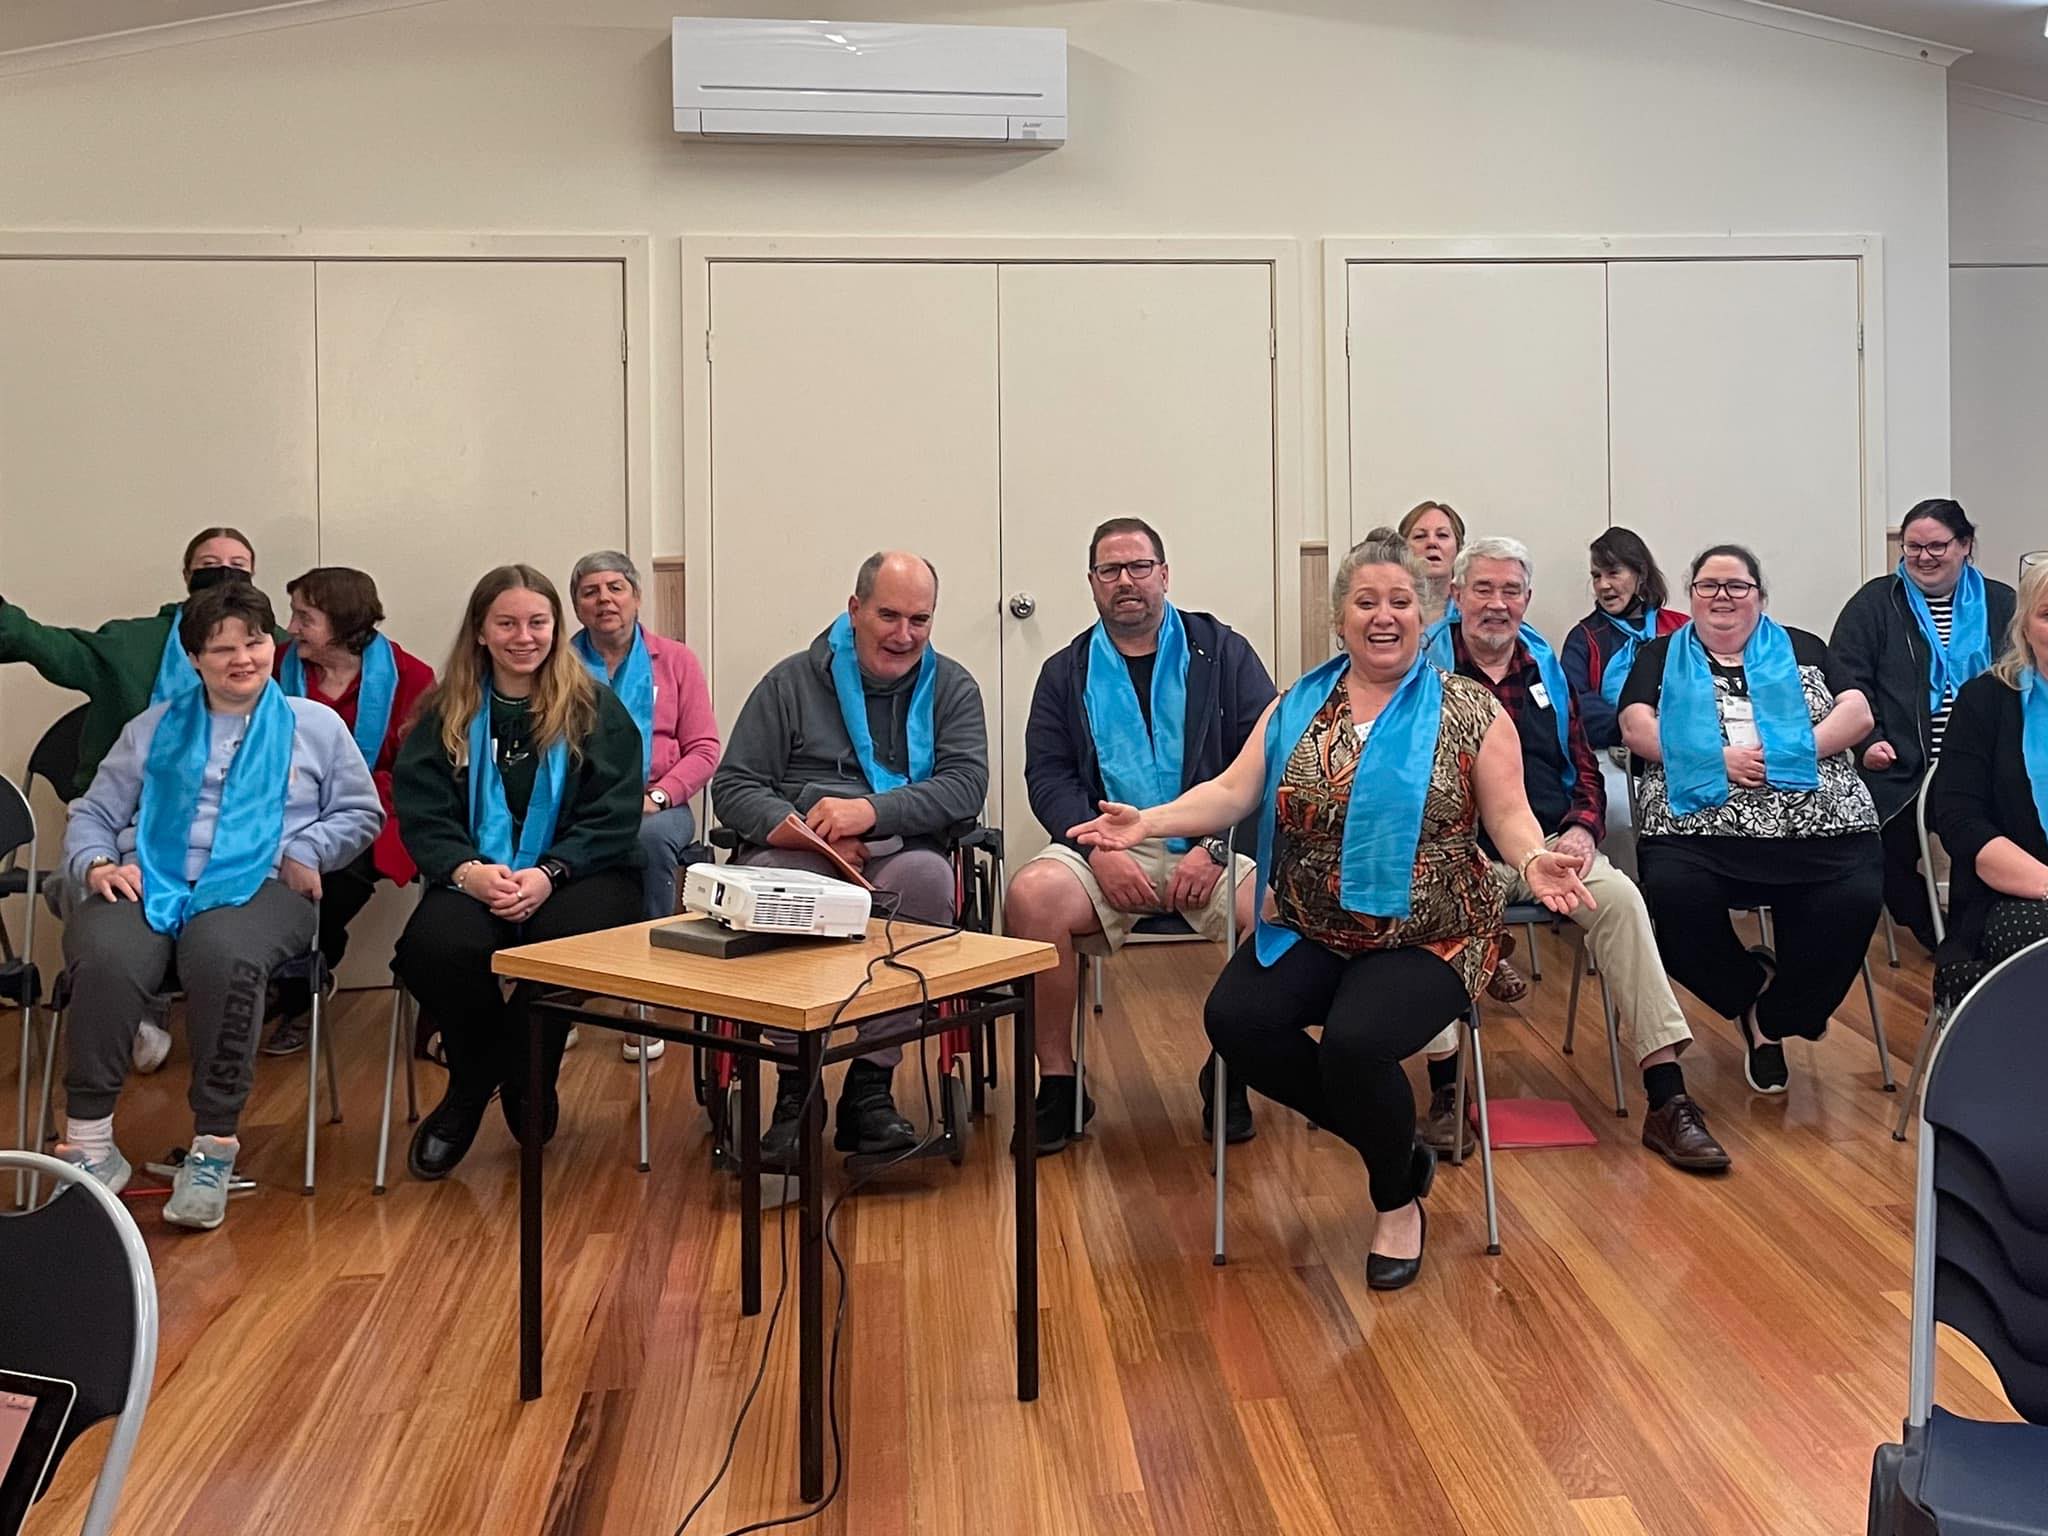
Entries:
{"x":68,"y":658}
{"x":431,"y":797}
{"x":599,"y":827}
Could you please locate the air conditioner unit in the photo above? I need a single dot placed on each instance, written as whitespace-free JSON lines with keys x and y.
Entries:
{"x":866,"y":81}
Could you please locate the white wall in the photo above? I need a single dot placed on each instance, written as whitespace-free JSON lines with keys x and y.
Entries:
{"x":1998,"y":178}
{"x":1297,"y":119}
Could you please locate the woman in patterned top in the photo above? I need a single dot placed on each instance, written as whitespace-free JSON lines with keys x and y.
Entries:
{"x":1751,"y":798}
{"x":1382,"y":921}
{"x":1908,"y":641}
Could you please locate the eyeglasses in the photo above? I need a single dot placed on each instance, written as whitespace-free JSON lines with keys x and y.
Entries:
{"x":1928,"y":551}
{"x":1113,"y":570}
{"x":1735,"y":589}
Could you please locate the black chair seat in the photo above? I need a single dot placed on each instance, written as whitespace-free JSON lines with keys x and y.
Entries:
{"x":1978,"y":1479}
{"x":20,"y":982}
{"x":1163,"y":925}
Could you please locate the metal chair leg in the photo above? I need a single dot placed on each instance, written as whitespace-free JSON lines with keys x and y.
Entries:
{"x":25,"y":1065}
{"x":1081,"y":1040}
{"x":378,"y":1186}
{"x":313,"y":1043}
{"x":1221,"y":1085}
{"x":1458,"y":1108}
{"x":1571,"y":1005}
{"x":1937,"y":1021}
{"x":43,"y":1102}
{"x":333,"y":1078}
{"x":1485,"y":1131}
{"x":1613,"y":1048}
{"x":1884,"y":1054}
{"x":641,"y":1013}
{"x":1097,"y":970}
{"x":412,"y":1093}
{"x":1891,"y":943}
{"x":1535,"y":954}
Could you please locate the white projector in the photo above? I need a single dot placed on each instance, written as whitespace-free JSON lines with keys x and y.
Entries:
{"x":786,"y":901}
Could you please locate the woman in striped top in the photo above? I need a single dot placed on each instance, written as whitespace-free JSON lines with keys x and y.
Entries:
{"x":1909,"y":640}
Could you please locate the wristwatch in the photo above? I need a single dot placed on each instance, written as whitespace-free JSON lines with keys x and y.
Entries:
{"x":660,"y":798}
{"x":556,"y":871}
{"x":1218,"y":850}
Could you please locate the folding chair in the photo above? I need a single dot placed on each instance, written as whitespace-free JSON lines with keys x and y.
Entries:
{"x":1169,"y":926}
{"x":1470,"y":1051}
{"x":1527,"y":914}
{"x":311,"y":968}
{"x":1980,"y":1265}
{"x":78,"y":1303}
{"x":1938,"y":1010}
{"x":20,"y":982}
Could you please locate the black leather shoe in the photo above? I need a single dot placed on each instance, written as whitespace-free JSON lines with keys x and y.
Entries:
{"x":781,"y":1143}
{"x":1237,"y":1106}
{"x":866,"y":1120}
{"x":443,"y":1138}
{"x":1387,"y":1274}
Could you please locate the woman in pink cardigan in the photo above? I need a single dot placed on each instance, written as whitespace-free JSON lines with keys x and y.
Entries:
{"x":662,"y":686}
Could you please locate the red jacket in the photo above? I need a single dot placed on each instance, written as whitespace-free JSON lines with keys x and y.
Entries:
{"x":415,"y":677}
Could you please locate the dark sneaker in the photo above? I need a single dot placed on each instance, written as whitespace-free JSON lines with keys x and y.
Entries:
{"x":1055,"y":1117}
{"x":289,"y":1037}
{"x":1237,"y":1106}
{"x":1441,"y":1127}
{"x":1763,"y":1060}
{"x":782,"y":1142}
{"x":866,"y":1120}
{"x":1678,"y":1133}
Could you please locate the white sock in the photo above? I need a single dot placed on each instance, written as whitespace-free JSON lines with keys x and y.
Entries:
{"x":95,"y":1138}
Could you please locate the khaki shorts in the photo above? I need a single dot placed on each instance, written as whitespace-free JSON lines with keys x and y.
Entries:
{"x":1212,"y":922}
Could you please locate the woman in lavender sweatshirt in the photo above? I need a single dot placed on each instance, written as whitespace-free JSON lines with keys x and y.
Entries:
{"x":200,"y":845}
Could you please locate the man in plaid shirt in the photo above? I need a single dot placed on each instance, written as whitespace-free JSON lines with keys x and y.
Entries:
{"x":1490,"y":590}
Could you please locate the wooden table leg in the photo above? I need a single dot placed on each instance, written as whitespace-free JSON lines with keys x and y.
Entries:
{"x":750,"y":1176}
{"x":811,"y":1275}
{"x":530,"y":1213}
{"x":1024,"y":1052}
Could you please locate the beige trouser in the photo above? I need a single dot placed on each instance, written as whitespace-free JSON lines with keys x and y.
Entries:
{"x":1618,"y":929}
{"x":1211,"y":921}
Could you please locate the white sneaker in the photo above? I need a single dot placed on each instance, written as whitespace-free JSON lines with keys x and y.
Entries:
{"x":199,"y":1191}
{"x":152,"y":1045}
{"x":633,"y":1045}
{"x":111,"y":1170}
{"x":570,"y":1043}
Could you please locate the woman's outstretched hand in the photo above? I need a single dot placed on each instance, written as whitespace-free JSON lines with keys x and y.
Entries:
{"x":1119,"y":826}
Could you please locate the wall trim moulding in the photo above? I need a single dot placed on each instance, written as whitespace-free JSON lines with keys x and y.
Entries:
{"x":197,"y":29}
{"x":2002,"y":102}
{"x":1855,"y":34}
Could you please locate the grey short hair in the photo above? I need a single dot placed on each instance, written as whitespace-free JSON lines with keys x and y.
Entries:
{"x":603,"y":560}
{"x":1373,"y":551}
{"x":1493,"y":548}
{"x":870,"y":568}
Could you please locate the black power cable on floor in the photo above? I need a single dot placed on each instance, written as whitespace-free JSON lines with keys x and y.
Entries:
{"x":891,"y":958}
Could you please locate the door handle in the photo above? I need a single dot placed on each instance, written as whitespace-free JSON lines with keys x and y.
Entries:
{"x":1022,"y":605}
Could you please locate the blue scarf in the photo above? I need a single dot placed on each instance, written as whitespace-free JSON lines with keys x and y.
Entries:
{"x":175,"y":674}
{"x":375,"y":693}
{"x":1437,"y":642}
{"x":853,"y":710}
{"x":1137,"y":768}
{"x":490,"y":819}
{"x":1614,"y":671}
{"x":2034,"y":736}
{"x":634,"y":685}
{"x":1689,"y":721}
{"x":1383,"y":825}
{"x":1968,"y":651}
{"x":250,"y":823}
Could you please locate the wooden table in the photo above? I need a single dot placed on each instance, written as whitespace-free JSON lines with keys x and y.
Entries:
{"x":803,"y":989}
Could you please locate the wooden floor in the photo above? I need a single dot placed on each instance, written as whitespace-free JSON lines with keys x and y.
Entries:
{"x":1652,"y":1352}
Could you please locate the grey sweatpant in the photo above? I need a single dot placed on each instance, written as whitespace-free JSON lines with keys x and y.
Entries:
{"x":117,"y":963}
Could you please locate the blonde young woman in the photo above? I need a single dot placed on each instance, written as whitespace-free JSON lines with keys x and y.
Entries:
{"x":518,"y":792}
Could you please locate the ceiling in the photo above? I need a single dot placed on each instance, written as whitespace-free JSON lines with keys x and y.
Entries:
{"x":2007,"y":49}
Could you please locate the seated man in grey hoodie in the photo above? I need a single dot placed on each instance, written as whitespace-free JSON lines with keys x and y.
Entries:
{"x":199,"y":846}
{"x":878,"y":744}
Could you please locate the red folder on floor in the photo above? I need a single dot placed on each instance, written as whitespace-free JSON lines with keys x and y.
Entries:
{"x":1534,"y":1123}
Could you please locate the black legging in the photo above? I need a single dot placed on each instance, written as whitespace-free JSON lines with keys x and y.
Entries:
{"x":444,"y":959}
{"x":1905,"y":888}
{"x":1821,"y":932}
{"x":1376,"y":1009}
